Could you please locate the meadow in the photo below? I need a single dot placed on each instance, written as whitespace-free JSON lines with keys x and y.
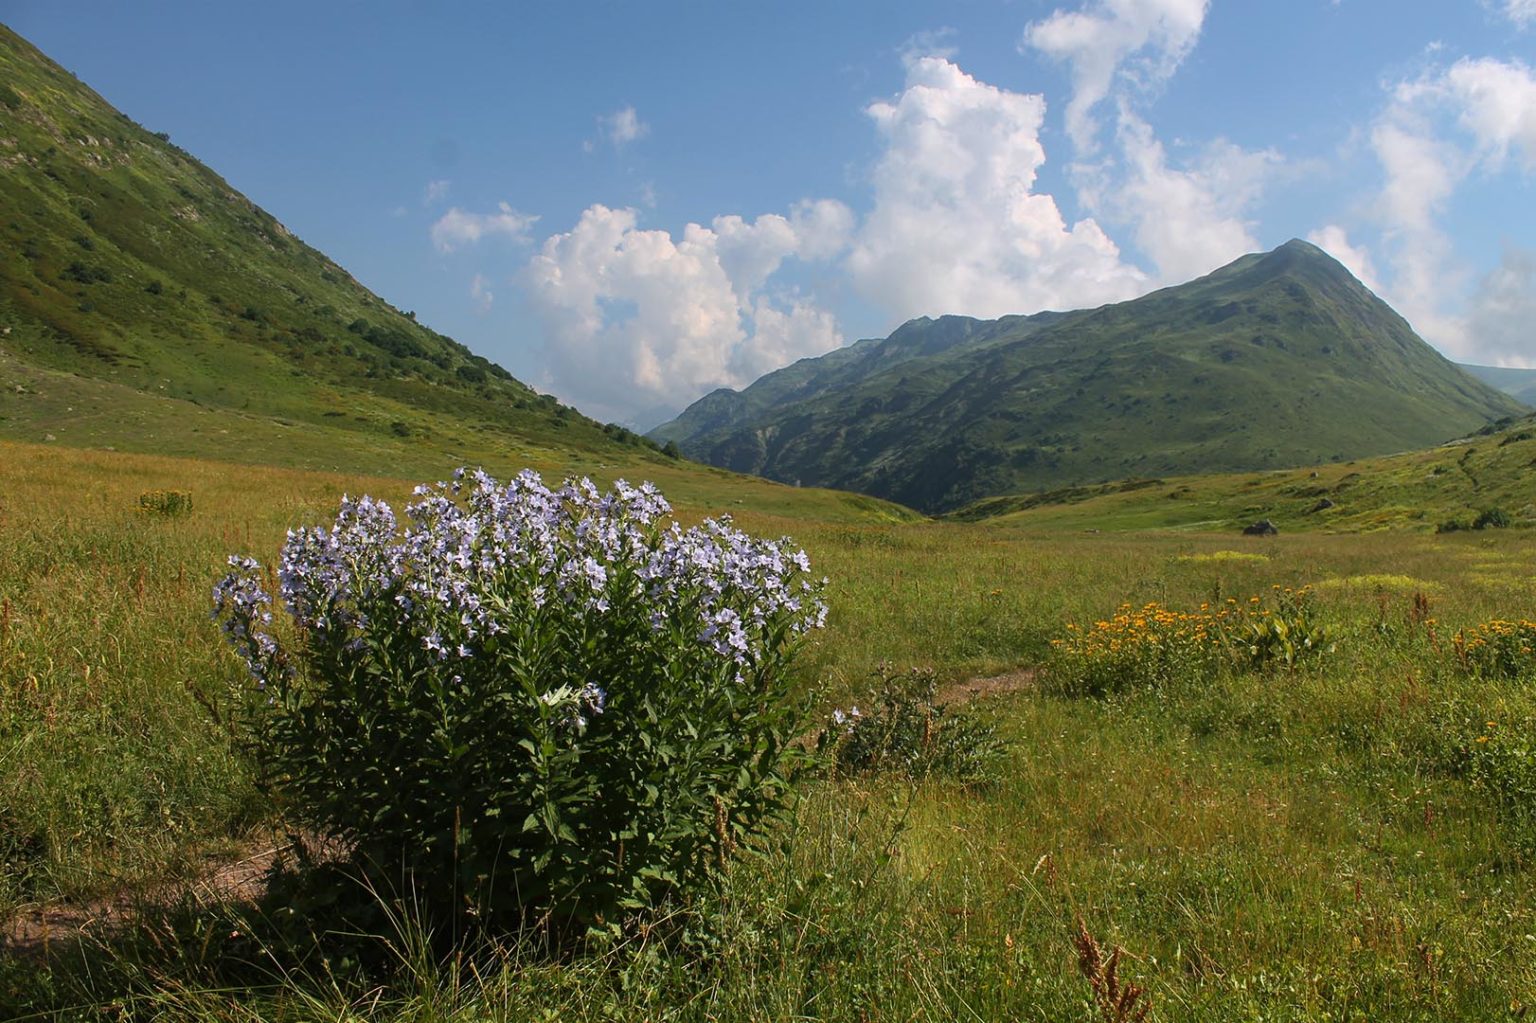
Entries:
{"x":1342,"y":834}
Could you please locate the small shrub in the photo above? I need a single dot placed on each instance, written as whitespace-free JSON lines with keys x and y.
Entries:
{"x":1500,"y":760}
{"x":1491,"y":518}
{"x":169,"y":503}
{"x":905,"y":730}
{"x":1285,"y":635}
{"x":533,"y":703}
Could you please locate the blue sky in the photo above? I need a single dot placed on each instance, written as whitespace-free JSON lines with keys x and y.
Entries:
{"x":629,"y":204}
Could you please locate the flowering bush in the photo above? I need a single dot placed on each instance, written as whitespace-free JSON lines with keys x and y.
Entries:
{"x":529,"y":701}
{"x":1498,"y":649}
{"x":1155,"y":645}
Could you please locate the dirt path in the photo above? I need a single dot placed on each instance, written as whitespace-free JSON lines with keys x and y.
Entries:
{"x":32,"y":930}
{"x":995,"y":685}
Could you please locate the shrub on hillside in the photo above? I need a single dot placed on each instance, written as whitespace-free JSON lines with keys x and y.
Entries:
{"x":530,"y":702}
{"x":1491,"y":518}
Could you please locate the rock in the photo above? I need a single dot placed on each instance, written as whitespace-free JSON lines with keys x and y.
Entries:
{"x":1263,"y":527}
{"x":1322,"y":505}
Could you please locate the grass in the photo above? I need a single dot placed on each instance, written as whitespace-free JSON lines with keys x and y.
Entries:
{"x":1419,"y":491}
{"x":1332,"y":842}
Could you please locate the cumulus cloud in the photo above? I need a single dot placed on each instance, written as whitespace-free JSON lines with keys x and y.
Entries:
{"x":1188,"y":220}
{"x":434,"y":193}
{"x":636,"y":319}
{"x":458,"y":228}
{"x":1139,"y":41}
{"x":1502,"y":323}
{"x":1495,"y":104}
{"x":956,"y":225}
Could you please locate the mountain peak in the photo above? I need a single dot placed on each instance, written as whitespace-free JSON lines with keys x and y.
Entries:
{"x":1278,"y":359}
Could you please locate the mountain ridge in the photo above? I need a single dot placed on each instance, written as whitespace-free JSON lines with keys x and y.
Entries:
{"x":1278,"y":358}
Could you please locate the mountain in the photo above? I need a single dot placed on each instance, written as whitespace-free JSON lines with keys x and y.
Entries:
{"x":144,"y":303}
{"x":1277,"y":359}
{"x":1519,"y":384}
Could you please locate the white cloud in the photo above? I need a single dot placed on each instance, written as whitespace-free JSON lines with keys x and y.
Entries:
{"x":435,"y":192}
{"x":622,"y":127}
{"x":637,"y":319}
{"x":1438,"y":130}
{"x":1495,"y":102}
{"x":956,"y":226}
{"x":1189,"y":221}
{"x":1502,"y":323}
{"x":1334,"y":240}
{"x":457,"y":227}
{"x":480,"y":291}
{"x":934,"y":42}
{"x":1140,"y":41}
{"x":1521,"y":12}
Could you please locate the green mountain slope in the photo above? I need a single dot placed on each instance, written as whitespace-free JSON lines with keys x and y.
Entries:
{"x":1519,"y":384}
{"x":136,"y":282}
{"x":1277,"y":359}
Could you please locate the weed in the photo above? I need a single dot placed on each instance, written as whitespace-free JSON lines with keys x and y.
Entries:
{"x":167,"y":503}
{"x":1116,"y":1000}
{"x":907,"y":731}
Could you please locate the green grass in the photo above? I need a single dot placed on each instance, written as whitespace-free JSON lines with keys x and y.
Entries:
{"x":1277,"y":845}
{"x":1418,"y":491}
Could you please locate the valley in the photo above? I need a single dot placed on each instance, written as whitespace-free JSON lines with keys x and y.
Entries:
{"x":1062,"y":713}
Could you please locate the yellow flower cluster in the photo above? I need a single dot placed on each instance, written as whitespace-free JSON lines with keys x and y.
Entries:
{"x":1154,"y":644}
{"x":1151,"y":627}
{"x":1498,"y":648}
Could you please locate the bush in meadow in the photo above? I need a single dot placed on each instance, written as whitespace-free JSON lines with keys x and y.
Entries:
{"x":527,"y":703}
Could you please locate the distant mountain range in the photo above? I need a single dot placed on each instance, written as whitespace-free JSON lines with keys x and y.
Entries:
{"x":146,"y":304}
{"x":1519,"y":384}
{"x":1277,"y":359}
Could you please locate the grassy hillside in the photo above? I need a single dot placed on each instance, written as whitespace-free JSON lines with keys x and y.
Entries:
{"x":1441,"y":488}
{"x":141,"y":294}
{"x":1278,"y":359}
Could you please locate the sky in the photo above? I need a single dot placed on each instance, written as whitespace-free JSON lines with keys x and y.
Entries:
{"x":631,"y":204}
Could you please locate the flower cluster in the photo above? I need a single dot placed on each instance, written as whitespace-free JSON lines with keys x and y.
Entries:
{"x":1498,"y":649}
{"x":529,"y":697}
{"x":243,"y":610}
{"x":478,"y":556}
{"x":1154,"y":644}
